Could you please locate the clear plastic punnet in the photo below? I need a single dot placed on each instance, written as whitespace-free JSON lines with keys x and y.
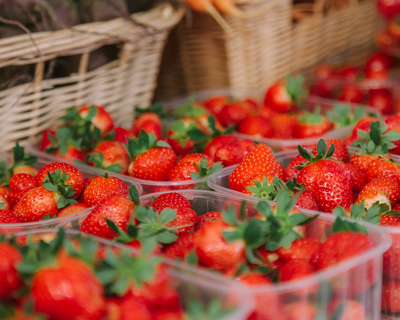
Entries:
{"x":54,"y":222}
{"x":353,"y":282}
{"x":192,"y":284}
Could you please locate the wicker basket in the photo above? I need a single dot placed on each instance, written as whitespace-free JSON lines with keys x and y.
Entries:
{"x":130,"y":80}
{"x":266,"y":48}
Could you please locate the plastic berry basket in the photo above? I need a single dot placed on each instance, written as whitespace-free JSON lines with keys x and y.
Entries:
{"x":192,"y":284}
{"x":54,"y":222}
{"x":320,"y":287}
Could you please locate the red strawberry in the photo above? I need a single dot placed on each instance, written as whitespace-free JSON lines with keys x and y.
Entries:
{"x":256,"y":125}
{"x":180,"y":248}
{"x":304,"y":249}
{"x":389,"y":221}
{"x":267,"y":113}
{"x":152,"y":160}
{"x":364,"y":125}
{"x":215,"y":104}
{"x":70,"y":154}
{"x":171,"y":200}
{"x":381,"y":100}
{"x":217,"y":143}
{"x":213,"y":250}
{"x":393,"y":124}
{"x":102,"y":187}
{"x":208,"y":217}
{"x":342,"y":246}
{"x":45,"y":143}
{"x":291,"y":171}
{"x":260,"y":160}
{"x":310,"y":125}
{"x":178,"y":137}
{"x":110,"y":155}
{"x":351,"y":94}
{"x":168,"y":315}
{"x":149,"y":122}
{"x":101,"y":120}
{"x":76,"y":207}
{"x":390,"y":294}
{"x":295,"y":269}
{"x":15,"y":197}
{"x":247,"y":146}
{"x":22,"y":182}
{"x":382,"y":190}
{"x":75,"y":303}
{"x":349,"y":73}
{"x":282,"y":96}
{"x":307,"y":201}
{"x":358,"y":178}
{"x":391,"y":258}
{"x":7,"y":216}
{"x":4,"y":191}
{"x":284,"y":126}
{"x":195,"y":158}
{"x":9,"y":277}
{"x":388,"y":9}
{"x":159,"y":189}
{"x":121,"y":134}
{"x":230,"y":154}
{"x":185,"y":221}
{"x":75,"y":179}
{"x":4,"y":205}
{"x":234,"y":113}
{"x":383,"y":168}
{"x":328,"y":180}
{"x":341,"y":152}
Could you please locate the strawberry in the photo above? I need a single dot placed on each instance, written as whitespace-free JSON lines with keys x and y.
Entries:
{"x":180,"y":248}
{"x":383,"y":168}
{"x":268,"y":113}
{"x":261,"y":186}
{"x":301,"y":249}
{"x":151,"y":160}
{"x":195,"y":158}
{"x":393,"y":125}
{"x":9,"y":277}
{"x":4,"y":205}
{"x":103,"y":187}
{"x":22,"y":163}
{"x":71,"y":153}
{"x":382,"y":101}
{"x":208,"y":217}
{"x":390,"y":293}
{"x":327,"y":179}
{"x":178,"y":138}
{"x":307,"y":201}
{"x":390,"y":221}
{"x":75,"y":303}
{"x":215,"y":104}
{"x":283,"y":95}
{"x":15,"y":197}
{"x":382,"y":190}
{"x":247,"y":146}
{"x":159,"y":189}
{"x":284,"y":126}
{"x":148,"y":120}
{"x":75,"y":207}
{"x":342,"y":246}
{"x":391,"y":258}
{"x":295,"y":269}
{"x":218,"y":142}
{"x":341,"y":153}
{"x":184,"y":222}
{"x":99,"y":117}
{"x":364,"y":125}
{"x":4,"y":191}
{"x":234,"y":113}
{"x":230,"y":154}
{"x":19,"y":185}
{"x":122,"y":133}
{"x":72,"y":176}
{"x":45,"y":142}
{"x":171,"y":200}
{"x":310,"y":125}
{"x":116,"y":208}
{"x":188,"y":170}
{"x":256,"y":125}
{"x":214,"y":251}
{"x":358,"y":178}
{"x":110,"y":155}
{"x":64,"y":145}
{"x":7,"y":216}
{"x":260,"y":160}
{"x":300,"y":310}
{"x":351,"y":94}
{"x":291,"y":171}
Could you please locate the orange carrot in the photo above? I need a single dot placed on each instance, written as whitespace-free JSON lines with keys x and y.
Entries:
{"x":206,"y":6}
{"x":228,"y":7}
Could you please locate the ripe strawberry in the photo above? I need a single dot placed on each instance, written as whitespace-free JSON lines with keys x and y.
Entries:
{"x":234,"y":113}
{"x":189,"y":169}
{"x":7,"y":216}
{"x":110,"y":155}
{"x":215,"y":104}
{"x":45,"y":142}
{"x":4,"y":191}
{"x":75,"y":303}
{"x":180,"y":248}
{"x":208,"y":217}
{"x":393,"y":125}
{"x":341,"y":153}
{"x":230,"y":154}
{"x":345,"y":245}
{"x":116,"y":208}
{"x":256,"y":125}
{"x":358,"y":178}
{"x":268,"y":113}
{"x":103,"y":187}
{"x":391,"y":258}
{"x":291,"y":171}
{"x":71,"y":153}
{"x":195,"y":158}
{"x":75,"y":207}
{"x":307,"y":201}
{"x":178,"y":137}
{"x":171,"y":200}
{"x":349,"y":73}
{"x":101,"y":119}
{"x":184,"y":222}
{"x":364,"y":125}
{"x":64,"y":144}
{"x":295,"y":269}
{"x":351,"y":94}
{"x":382,"y":101}
{"x":388,"y":9}
{"x":121,"y":134}
{"x":149,"y":122}
{"x":4,"y":205}
{"x":9,"y":276}
{"x":310,"y":125}
{"x":304,"y":249}
{"x":390,"y":293}
{"x":327,"y":179}
{"x":152,"y":160}
{"x":383,"y":168}
{"x":247,"y":146}
{"x":284,"y":126}
{"x":214,"y":251}
{"x":22,"y":182}
{"x":72,"y":175}
{"x":389,"y":221}
{"x":283,"y":95}
{"x":260,"y":160}
{"x":217,"y":143}
{"x":15,"y":197}
{"x":382,"y":190}
{"x":159,"y":189}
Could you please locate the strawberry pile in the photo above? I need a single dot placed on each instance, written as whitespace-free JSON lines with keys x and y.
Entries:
{"x":56,"y":190}
{"x":389,"y":38}
{"x":49,"y":277}
{"x":351,"y":84}
{"x":257,"y":246}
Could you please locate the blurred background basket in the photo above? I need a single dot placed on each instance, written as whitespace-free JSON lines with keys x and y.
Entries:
{"x":128,"y":80}
{"x":260,"y":50}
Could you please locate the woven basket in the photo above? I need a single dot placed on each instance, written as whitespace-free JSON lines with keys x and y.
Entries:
{"x":130,"y":80}
{"x":266,"y":48}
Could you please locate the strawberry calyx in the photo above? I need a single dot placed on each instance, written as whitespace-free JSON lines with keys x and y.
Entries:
{"x":133,"y":193}
{"x":189,"y":109}
{"x":264,"y":190}
{"x":181,"y":131}
{"x":204,"y":171}
{"x":375,"y":142}
{"x":143,"y":143}
{"x":294,"y":88}
{"x":343,"y":116}
{"x":322,"y":153}
{"x":63,"y":139}
{"x":156,"y":108}
{"x":312,"y":117}
{"x":97,"y":159}
{"x":55,"y":182}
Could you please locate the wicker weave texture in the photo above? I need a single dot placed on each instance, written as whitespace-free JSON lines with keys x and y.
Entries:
{"x":119,"y":85}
